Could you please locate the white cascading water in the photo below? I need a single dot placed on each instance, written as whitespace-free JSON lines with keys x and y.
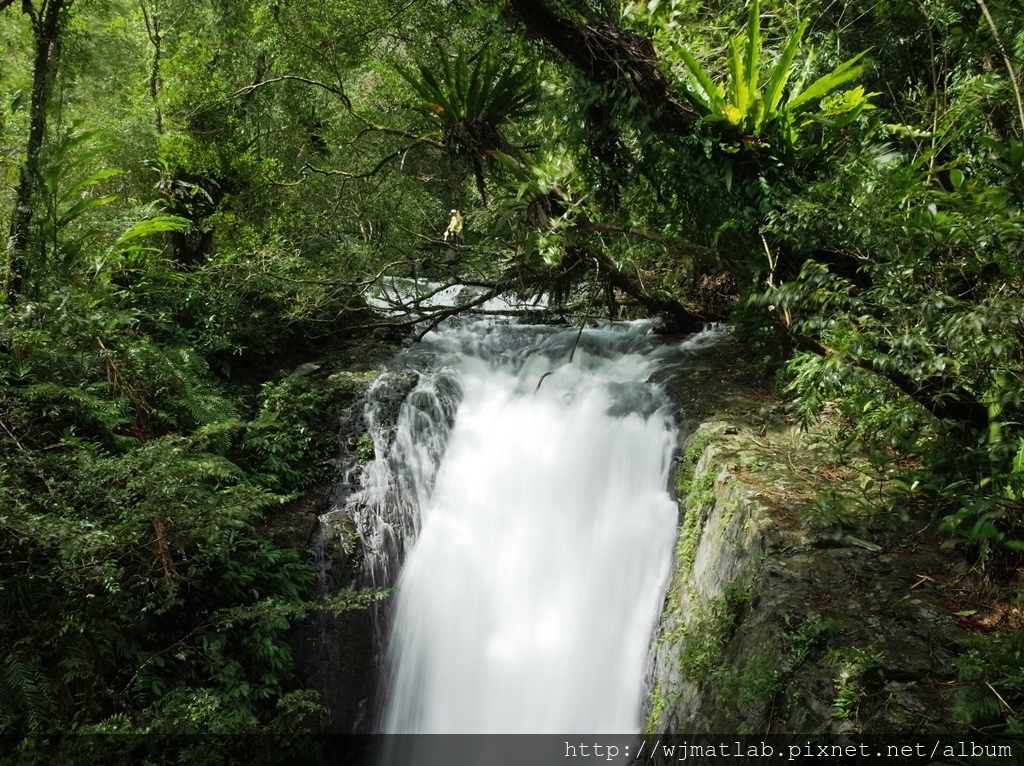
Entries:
{"x":531,"y":493}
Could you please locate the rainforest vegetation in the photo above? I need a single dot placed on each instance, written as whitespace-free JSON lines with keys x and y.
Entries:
{"x":194,"y":195}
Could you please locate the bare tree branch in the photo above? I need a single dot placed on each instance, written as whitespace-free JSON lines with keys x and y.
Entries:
{"x":288,"y":77}
{"x":1006,"y":61}
{"x":354,"y":176}
{"x":337,"y":91}
{"x":371,"y":128}
{"x":438,"y":315}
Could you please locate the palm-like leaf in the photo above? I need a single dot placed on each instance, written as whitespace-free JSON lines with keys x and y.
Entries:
{"x":469,"y":98}
{"x":752,"y":112}
{"x":477,"y":89}
{"x":782,"y":71}
{"x":708,"y":98}
{"x":845,"y":72}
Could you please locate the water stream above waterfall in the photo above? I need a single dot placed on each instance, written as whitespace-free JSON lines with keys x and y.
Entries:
{"x":519,"y":503}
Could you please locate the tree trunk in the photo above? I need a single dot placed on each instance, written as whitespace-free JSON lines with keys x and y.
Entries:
{"x":155,"y":79}
{"x":606,"y":56}
{"x":46,"y":29}
{"x":675,"y":317}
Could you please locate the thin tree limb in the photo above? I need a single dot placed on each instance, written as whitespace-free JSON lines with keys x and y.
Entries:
{"x":288,"y":77}
{"x":583,"y":223}
{"x":436,"y":317}
{"x":1006,"y":62}
{"x":355,"y":176}
{"x":957,"y":405}
{"x":444,"y":314}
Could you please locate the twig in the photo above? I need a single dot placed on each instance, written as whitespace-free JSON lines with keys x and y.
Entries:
{"x":579,"y":335}
{"x":1013,"y":713}
{"x":288,"y":77}
{"x":572,"y":351}
{"x":372,"y":171}
{"x":436,"y":317}
{"x":10,"y":433}
{"x":1006,"y":60}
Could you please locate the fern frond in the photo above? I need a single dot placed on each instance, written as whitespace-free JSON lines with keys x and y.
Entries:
{"x":977,"y":705}
{"x":24,"y":690}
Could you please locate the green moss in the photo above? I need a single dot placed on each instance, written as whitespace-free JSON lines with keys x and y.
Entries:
{"x":698,"y":443}
{"x":727,"y":511}
{"x":695,"y":497}
{"x":658,"y":702}
{"x":702,"y":495}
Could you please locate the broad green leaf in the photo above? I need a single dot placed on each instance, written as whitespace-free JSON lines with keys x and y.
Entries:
{"x":738,"y":79}
{"x":753,"y":48}
{"x":732,"y":114}
{"x":95,"y":178}
{"x":845,"y":72}
{"x":1018,"y":460}
{"x":148,"y":226}
{"x":782,"y":72}
{"x":711,"y":98}
{"x":79,"y":208}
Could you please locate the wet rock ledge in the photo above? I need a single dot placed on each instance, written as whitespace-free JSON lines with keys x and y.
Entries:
{"x":777,"y":618}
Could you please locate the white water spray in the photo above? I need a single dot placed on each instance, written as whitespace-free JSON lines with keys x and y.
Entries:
{"x":543,"y":531}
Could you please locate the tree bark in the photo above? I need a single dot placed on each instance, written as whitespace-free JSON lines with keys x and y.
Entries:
{"x":607,"y":55}
{"x":676,"y":318}
{"x":46,"y":29}
{"x":155,"y":77}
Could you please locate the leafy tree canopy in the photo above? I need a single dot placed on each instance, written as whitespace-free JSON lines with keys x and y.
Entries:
{"x":191,"y":193}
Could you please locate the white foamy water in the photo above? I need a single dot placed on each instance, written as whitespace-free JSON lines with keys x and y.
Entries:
{"x":542,"y":529}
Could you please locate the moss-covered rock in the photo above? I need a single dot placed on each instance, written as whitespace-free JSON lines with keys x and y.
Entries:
{"x":335,"y":647}
{"x":777,"y":619}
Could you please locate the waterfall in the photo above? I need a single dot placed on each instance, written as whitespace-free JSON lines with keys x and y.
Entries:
{"x":522,"y":488}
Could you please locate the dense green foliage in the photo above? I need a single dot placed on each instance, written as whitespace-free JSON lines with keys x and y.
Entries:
{"x":195,"y":194}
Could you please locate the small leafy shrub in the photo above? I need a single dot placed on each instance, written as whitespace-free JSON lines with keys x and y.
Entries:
{"x":802,"y":641}
{"x":852,"y":666}
{"x":365,"y":448}
{"x":700,"y":658}
{"x":759,"y":681}
{"x":992,"y":674}
{"x":290,"y":442}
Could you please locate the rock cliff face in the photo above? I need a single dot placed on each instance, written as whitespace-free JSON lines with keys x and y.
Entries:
{"x":336,"y":648}
{"x":778,"y":619}
{"x":781,"y":616}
